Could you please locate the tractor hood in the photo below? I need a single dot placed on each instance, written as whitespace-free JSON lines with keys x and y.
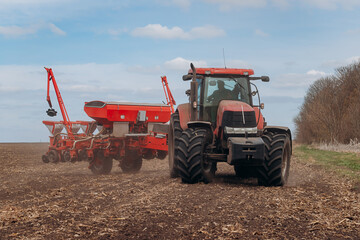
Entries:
{"x":235,"y":114}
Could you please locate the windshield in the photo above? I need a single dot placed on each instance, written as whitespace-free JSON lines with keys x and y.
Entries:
{"x":223,"y":88}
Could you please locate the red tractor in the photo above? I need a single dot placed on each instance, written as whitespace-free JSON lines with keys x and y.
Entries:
{"x":222,"y":124}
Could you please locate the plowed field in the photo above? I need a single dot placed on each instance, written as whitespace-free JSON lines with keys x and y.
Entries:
{"x":65,"y":200}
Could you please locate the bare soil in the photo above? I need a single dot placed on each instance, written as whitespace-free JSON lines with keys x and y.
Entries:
{"x":58,"y":201}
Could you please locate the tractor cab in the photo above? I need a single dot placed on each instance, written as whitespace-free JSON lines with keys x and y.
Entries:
{"x":211,"y":86}
{"x":212,"y":89}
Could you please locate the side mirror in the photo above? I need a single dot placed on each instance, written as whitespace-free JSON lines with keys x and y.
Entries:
{"x":262,"y":106}
{"x":212,"y":83}
{"x":265,"y":79}
{"x":187,"y":92}
{"x":187,"y":77}
{"x":190,"y":77}
{"x":253,"y":93}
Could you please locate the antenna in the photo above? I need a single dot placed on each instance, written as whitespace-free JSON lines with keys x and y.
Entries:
{"x":224,"y":57}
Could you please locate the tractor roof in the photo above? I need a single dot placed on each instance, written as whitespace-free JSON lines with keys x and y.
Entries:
{"x":222,"y":71}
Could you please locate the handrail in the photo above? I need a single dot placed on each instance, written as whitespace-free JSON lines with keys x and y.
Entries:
{"x":169,"y":97}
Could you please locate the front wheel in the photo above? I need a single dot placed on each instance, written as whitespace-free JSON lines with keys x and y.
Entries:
{"x":276,"y":167}
{"x":192,"y":163}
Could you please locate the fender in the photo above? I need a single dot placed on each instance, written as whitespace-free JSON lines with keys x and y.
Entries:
{"x":203,"y":125}
{"x":280,"y":129}
{"x":259,"y":119}
{"x":184,"y":114}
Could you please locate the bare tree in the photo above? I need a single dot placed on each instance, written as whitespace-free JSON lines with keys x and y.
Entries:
{"x":331,"y":108}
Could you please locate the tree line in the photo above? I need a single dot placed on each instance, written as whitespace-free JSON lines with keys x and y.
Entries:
{"x":331,"y":109}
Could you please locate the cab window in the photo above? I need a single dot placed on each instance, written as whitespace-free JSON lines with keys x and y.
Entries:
{"x":217,"y":89}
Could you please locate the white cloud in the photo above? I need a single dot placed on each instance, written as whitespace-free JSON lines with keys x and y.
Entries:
{"x":82,"y":88}
{"x":23,"y":93}
{"x":182,"y":64}
{"x":80,"y":77}
{"x":16,"y":31}
{"x":207,"y":31}
{"x":340,"y":63}
{"x":7,"y":3}
{"x":299,"y":79}
{"x":27,"y":12}
{"x":354,"y":31}
{"x":145,"y":69}
{"x":315,"y":73}
{"x":261,"y":33}
{"x":86,"y":82}
{"x":333,"y":4}
{"x":353,"y":59}
{"x":283,"y":4}
{"x":89,"y":78}
{"x":184,"y":4}
{"x":157,"y":31}
{"x":56,"y":30}
{"x":28,"y":2}
{"x":226,"y":5}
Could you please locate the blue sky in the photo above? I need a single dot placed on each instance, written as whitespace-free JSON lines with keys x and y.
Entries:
{"x":117,"y":50}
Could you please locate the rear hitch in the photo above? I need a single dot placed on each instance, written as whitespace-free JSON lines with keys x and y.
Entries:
{"x":51,"y":112}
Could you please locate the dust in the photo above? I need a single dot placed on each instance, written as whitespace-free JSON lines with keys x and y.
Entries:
{"x":301,"y":174}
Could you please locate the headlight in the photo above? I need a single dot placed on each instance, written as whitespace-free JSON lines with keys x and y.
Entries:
{"x":231,"y":130}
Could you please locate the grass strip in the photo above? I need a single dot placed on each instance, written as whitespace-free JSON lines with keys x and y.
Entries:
{"x":347,"y":164}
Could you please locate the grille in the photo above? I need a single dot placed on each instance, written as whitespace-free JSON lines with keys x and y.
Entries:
{"x":235,"y":119}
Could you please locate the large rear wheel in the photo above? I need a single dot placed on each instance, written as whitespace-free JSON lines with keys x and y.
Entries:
{"x":173,"y":142}
{"x":276,"y":167}
{"x":192,"y":163}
